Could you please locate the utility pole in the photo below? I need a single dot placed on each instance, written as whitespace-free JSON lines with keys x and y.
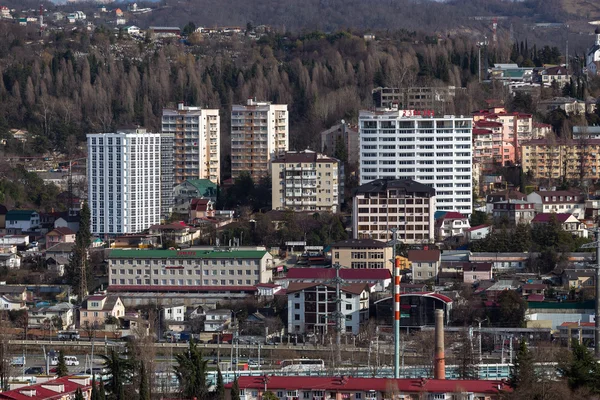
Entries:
{"x":339,"y":316}
{"x":396,"y":296}
{"x":596,"y":245}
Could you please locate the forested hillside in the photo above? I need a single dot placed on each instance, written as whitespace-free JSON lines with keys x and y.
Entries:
{"x":77,"y":82}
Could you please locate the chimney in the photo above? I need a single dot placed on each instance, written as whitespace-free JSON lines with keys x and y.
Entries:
{"x":440,"y":361}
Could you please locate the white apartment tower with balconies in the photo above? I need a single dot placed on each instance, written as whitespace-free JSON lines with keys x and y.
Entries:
{"x":124,"y":187}
{"x":197,"y":139}
{"x":259,"y":133}
{"x":435,"y":151}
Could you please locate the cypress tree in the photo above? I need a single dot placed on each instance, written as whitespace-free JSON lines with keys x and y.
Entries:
{"x":144,"y":389}
{"x":235,"y":390}
{"x":522,"y":373}
{"x":220,"y":389}
{"x":61,"y":368}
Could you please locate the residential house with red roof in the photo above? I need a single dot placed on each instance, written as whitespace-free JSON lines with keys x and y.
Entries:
{"x":178,"y":232}
{"x":509,"y":194}
{"x":478,"y":232}
{"x":353,"y":388}
{"x":568,"y":222}
{"x":377,"y":279}
{"x":450,"y":224}
{"x":97,"y":308}
{"x":514,"y":212}
{"x":531,"y":289}
{"x":59,"y":235}
{"x":475,"y":272}
{"x":425,"y":264}
{"x":312,"y":307}
{"x":56,"y":389}
{"x":200,"y":209}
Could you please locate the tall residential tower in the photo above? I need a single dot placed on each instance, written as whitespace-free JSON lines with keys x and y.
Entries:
{"x":259,"y":133}
{"x":124,"y":181}
{"x":196,"y":152}
{"x":434,"y":151}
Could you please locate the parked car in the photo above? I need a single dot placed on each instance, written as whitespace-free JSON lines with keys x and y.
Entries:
{"x":17,"y":361}
{"x":34,"y":371}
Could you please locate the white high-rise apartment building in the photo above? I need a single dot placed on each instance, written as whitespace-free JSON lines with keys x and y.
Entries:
{"x":259,"y":133}
{"x":435,"y":151}
{"x":124,"y":181}
{"x":197,"y":145}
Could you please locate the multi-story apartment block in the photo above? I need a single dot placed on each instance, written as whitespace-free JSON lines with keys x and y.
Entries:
{"x":196,"y":143}
{"x":352,"y":388}
{"x":167,"y":178}
{"x":306,"y":181}
{"x":514,"y":212}
{"x":556,"y":159}
{"x":341,"y":133}
{"x":405,"y":205}
{"x":124,"y":187}
{"x":362,"y":254}
{"x":435,"y":151}
{"x":436,"y":99}
{"x":425,"y":264}
{"x":312,"y":307}
{"x":160,"y":270}
{"x":259,"y":133}
{"x":498,"y":135}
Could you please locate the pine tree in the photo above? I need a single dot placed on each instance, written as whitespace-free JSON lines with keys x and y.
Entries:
{"x":582,"y":370}
{"x":522,"y":373}
{"x":144,"y":389}
{"x":61,"y":368}
{"x":101,"y":391}
{"x":94,"y":395}
{"x":220,"y":388}
{"x":235,"y":390}
{"x":79,"y":394}
{"x":465,"y":358}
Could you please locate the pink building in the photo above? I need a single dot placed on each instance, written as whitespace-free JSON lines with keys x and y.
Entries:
{"x":497,"y":136}
{"x":477,"y":272}
{"x":60,"y":235}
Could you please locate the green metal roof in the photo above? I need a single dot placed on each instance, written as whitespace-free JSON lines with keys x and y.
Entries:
{"x":19,"y":215}
{"x":205,"y":187}
{"x":118,"y":253}
{"x":589,"y":304}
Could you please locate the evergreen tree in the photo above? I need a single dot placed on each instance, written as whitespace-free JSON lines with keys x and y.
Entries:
{"x":235,"y":390}
{"x":79,"y":394}
{"x":465,"y":358}
{"x":522,"y":373}
{"x":101,"y":391}
{"x":120,"y":372}
{"x":79,"y":257}
{"x":220,"y":387}
{"x":144,"y":389}
{"x":61,"y":368}
{"x":582,"y":370}
{"x":191,"y":373}
{"x":94,"y":395}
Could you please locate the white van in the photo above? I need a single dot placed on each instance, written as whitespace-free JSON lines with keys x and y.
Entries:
{"x":69,"y":361}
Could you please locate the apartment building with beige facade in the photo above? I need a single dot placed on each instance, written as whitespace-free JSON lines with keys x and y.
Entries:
{"x":196,"y":142}
{"x":362,"y":254}
{"x":405,"y":205}
{"x":556,"y":159}
{"x":306,"y":181}
{"x":259,"y":133}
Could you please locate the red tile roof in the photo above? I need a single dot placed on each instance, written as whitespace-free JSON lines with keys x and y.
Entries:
{"x":534,"y":286}
{"x":424,"y":255}
{"x":438,"y":296}
{"x":546,"y":217}
{"x":62,"y":231}
{"x":487,"y":124}
{"x":475,"y":228}
{"x":352,"y":384}
{"x":535,"y":297}
{"x":572,"y":324}
{"x":345,"y":273}
{"x":268,"y":285}
{"x":453,"y":215}
{"x":69,"y":383}
{"x":479,"y":131}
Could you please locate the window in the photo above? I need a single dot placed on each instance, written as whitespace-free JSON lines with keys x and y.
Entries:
{"x":296,"y":306}
{"x":296,"y":317}
{"x":348,"y":306}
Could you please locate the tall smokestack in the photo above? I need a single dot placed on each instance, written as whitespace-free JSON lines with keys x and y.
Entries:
{"x":439,"y":371}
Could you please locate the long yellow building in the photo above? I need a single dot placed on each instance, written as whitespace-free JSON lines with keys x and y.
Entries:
{"x":555,"y":159}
